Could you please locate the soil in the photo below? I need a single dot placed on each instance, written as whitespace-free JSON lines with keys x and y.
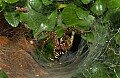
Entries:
{"x":15,"y":49}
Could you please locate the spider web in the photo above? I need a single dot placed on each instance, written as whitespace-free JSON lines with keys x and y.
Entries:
{"x":78,"y":62}
{"x":81,"y":63}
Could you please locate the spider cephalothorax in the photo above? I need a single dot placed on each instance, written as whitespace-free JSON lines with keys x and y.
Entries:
{"x":61,"y":45}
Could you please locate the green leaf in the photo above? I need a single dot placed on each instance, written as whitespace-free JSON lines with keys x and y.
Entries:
{"x":1,"y":3}
{"x":48,"y":51}
{"x":11,"y":1}
{"x":59,"y":30}
{"x":85,"y":18}
{"x":113,"y":4}
{"x":34,"y":20}
{"x":69,"y":16}
{"x":107,"y":17}
{"x":114,"y":20}
{"x":46,"y":2}
{"x":111,"y":15}
{"x":86,"y":1}
{"x":62,"y":6}
{"x":51,"y":21}
{"x":117,"y":38}
{"x":117,"y":71}
{"x":86,"y":22}
{"x":3,"y":75}
{"x":2,"y":6}
{"x":72,"y":15}
{"x":39,"y":22}
{"x":48,"y":24}
{"x":98,"y":70}
{"x":88,"y":37}
{"x":99,"y":7}
{"x":90,"y":19}
{"x":42,"y":36}
{"x":36,"y":5}
{"x":81,"y":13}
{"x":12,"y":18}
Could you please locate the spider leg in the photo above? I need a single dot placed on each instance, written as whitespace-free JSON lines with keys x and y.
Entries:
{"x":53,"y":36}
{"x":55,"y":40}
{"x":71,"y":28}
{"x":49,"y":37}
{"x":42,"y":33}
{"x":72,"y":37}
{"x":75,"y":29}
{"x":56,"y":44}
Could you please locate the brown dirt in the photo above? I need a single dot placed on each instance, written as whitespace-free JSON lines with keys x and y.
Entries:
{"x":15,"y":59}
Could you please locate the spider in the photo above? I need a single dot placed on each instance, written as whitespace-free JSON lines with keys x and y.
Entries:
{"x":20,"y":9}
{"x":61,"y":45}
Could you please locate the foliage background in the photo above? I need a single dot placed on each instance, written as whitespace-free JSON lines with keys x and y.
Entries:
{"x":98,"y":16}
